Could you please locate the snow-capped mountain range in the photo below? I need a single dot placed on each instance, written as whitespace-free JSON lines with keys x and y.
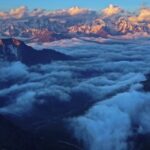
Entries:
{"x":45,"y":26}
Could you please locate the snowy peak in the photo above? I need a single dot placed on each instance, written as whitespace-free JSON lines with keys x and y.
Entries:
{"x":143,"y":16}
{"x":16,"y":13}
{"x":112,"y":10}
{"x":77,"y":10}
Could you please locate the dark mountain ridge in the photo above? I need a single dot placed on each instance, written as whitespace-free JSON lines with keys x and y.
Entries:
{"x":16,"y":50}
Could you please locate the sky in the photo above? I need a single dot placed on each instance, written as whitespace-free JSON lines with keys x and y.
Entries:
{"x":59,"y":4}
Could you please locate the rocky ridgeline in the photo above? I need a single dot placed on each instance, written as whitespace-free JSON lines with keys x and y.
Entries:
{"x":16,"y":50}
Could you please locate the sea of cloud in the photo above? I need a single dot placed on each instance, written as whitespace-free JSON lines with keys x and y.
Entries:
{"x":99,"y":93}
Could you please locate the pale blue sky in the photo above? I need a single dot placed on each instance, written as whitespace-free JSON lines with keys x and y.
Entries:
{"x":58,"y":4}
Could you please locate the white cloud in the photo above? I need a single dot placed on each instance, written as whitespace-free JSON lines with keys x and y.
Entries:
{"x":13,"y":71}
{"x":108,"y":124}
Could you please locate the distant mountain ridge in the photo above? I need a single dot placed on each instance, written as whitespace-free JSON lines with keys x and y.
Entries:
{"x":45,"y":26}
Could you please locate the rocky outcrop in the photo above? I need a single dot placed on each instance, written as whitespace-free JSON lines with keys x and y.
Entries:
{"x":50,"y":136}
{"x":14,"y":138}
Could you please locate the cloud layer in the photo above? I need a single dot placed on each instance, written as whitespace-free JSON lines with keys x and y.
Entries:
{"x":99,"y":94}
